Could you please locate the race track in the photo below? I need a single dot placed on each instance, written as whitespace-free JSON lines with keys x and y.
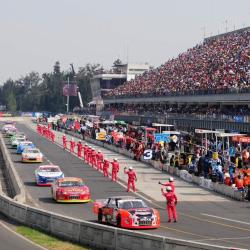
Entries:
{"x":231,"y":227}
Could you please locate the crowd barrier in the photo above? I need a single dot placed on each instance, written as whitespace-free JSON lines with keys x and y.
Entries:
{"x":183,"y":174}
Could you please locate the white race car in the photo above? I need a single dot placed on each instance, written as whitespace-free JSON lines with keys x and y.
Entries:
{"x":18,"y":140}
{"x":47,"y":174}
{"x":7,"y":127}
{"x":32,"y":155}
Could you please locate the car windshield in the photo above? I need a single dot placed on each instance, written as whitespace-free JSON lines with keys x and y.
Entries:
{"x":132,"y":204}
{"x":20,"y":139}
{"x":49,"y":169}
{"x":71,"y":184}
{"x":32,"y":151}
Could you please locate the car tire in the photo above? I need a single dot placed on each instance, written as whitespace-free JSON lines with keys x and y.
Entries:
{"x":100,"y":216}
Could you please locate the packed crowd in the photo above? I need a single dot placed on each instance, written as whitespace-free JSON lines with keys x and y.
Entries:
{"x":212,"y":110}
{"x":218,"y":64}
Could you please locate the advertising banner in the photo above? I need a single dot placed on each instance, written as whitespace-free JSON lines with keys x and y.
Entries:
{"x":162,"y":137}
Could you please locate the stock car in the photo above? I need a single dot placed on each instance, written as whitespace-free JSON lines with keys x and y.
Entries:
{"x":25,"y":144}
{"x":32,"y":155}
{"x":70,"y":190}
{"x":11,"y":131}
{"x":46,"y":174}
{"x":15,"y":142}
{"x":6,"y":127}
{"x":126,"y":212}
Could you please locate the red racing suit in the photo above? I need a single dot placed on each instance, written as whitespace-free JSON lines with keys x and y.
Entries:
{"x":72,"y":146}
{"x":93,"y":158}
{"x":64,"y":139}
{"x":52,"y":136}
{"x":131,"y":179}
{"x":106,"y":168}
{"x":79,"y":149}
{"x":89,"y":155}
{"x":115,"y":170}
{"x":99,"y":158}
{"x":171,"y":199}
{"x":85,"y":151}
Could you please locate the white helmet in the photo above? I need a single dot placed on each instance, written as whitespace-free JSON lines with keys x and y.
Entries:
{"x":227,"y":175}
{"x":115,"y":159}
{"x":130,"y":168}
{"x":72,"y":139}
{"x":169,"y":189}
{"x":171,"y":179}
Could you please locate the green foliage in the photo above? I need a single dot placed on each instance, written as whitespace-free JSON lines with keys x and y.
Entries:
{"x":11,"y":102}
{"x":45,"y":93}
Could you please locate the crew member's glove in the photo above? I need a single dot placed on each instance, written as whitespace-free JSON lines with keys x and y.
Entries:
{"x":159,"y":182}
{"x":135,"y":179}
{"x":175,"y":203}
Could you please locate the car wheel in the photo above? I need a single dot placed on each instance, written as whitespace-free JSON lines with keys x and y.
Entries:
{"x":100,"y":216}
{"x":118,"y":220}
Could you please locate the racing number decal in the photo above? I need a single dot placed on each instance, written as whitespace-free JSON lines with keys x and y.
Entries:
{"x":148,"y":154}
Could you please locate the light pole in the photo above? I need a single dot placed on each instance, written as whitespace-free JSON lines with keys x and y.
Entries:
{"x":68,"y":97}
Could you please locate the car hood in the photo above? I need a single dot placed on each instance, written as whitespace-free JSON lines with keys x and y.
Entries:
{"x":73,"y":189}
{"x":32,"y":155}
{"x":49,"y":174}
{"x":140,"y":211}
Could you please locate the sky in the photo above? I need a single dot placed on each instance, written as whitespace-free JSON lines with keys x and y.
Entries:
{"x":34,"y":34}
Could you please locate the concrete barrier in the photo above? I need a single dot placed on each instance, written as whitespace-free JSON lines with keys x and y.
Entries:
{"x":17,"y":185}
{"x":93,"y":234}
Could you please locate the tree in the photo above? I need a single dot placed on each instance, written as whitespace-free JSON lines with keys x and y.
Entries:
{"x":11,"y":102}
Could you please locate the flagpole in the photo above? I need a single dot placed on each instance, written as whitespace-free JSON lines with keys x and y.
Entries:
{"x":68,"y":97}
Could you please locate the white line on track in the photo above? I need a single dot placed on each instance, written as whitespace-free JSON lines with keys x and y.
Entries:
{"x":232,"y":238}
{"x":21,"y":236}
{"x":222,"y":218}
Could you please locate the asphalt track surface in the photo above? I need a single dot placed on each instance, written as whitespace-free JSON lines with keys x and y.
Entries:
{"x":230,"y":228}
{"x":10,"y":240}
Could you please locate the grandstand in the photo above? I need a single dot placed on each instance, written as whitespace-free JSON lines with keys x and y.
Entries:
{"x":210,"y":79}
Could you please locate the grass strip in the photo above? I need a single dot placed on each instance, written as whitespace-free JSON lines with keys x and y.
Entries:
{"x":47,"y":241}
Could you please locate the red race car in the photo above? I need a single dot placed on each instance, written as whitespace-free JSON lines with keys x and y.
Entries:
{"x":127,"y":212}
{"x":70,"y":189}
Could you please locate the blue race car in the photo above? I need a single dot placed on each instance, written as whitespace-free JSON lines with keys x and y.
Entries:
{"x":25,"y":144}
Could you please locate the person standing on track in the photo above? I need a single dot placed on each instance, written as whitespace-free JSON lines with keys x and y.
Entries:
{"x":93,"y":159}
{"x":99,"y":158}
{"x":64,"y":139}
{"x":89,"y":155}
{"x":131,"y":178}
{"x":72,"y":145}
{"x":169,"y":184}
{"x":106,"y":168}
{"x":79,"y":149}
{"x":115,"y":169}
{"x":53,"y":136}
{"x":171,"y":199}
{"x":85,"y":151}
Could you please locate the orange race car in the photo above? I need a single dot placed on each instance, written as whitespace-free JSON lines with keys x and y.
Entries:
{"x":127,"y":212}
{"x":69,"y":190}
